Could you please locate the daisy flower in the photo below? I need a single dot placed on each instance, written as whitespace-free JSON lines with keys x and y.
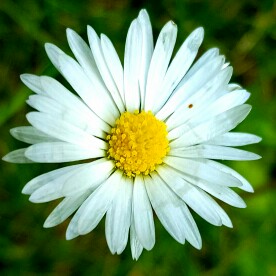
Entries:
{"x":149,"y":132}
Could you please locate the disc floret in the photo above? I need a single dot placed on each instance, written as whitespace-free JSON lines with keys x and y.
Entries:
{"x":138,"y":143}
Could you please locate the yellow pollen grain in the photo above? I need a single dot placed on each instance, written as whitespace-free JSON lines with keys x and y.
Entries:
{"x":138,"y":143}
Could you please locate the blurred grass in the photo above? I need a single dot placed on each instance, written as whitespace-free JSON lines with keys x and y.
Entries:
{"x":245,"y":32}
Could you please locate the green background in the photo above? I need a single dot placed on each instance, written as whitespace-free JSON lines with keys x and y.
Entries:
{"x":245,"y":32}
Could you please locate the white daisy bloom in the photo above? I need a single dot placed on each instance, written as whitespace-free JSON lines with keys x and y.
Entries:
{"x":150,"y":131}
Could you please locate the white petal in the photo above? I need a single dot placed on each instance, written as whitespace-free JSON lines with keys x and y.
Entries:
{"x":167,"y":207}
{"x":204,"y":59}
{"x":245,"y":184}
{"x":95,"y":46}
{"x":118,"y":217}
{"x":142,"y":214}
{"x":195,"y":134}
{"x":135,"y":245}
{"x":17,"y":156}
{"x":221,"y":192}
{"x":68,"y":115}
{"x":207,"y":207}
{"x":88,"y":177}
{"x":43,"y":179}
{"x":56,"y":91}
{"x":98,"y":203}
{"x":54,"y":53}
{"x":195,"y":198}
{"x":52,"y":189}
{"x":59,"y":152}
{"x":93,"y":94}
{"x":199,"y":99}
{"x":33,"y":82}
{"x":114,"y":64}
{"x":64,"y":209}
{"x":179,"y":66}
{"x":201,"y":170}
{"x":235,"y":139}
{"x":62,"y":95}
{"x":72,"y":229}
{"x":31,"y":135}
{"x":191,"y":231}
{"x":146,"y":52}
{"x":159,"y":63}
{"x":226,"y":102}
{"x":44,"y":104}
{"x":83,"y":55}
{"x":223,"y":216}
{"x":184,"y":95}
{"x":64,"y":131}
{"x":172,"y":211}
{"x":214,"y":152}
{"x":132,"y":61}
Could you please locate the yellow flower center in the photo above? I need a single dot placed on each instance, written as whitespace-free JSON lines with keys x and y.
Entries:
{"x":138,"y":143}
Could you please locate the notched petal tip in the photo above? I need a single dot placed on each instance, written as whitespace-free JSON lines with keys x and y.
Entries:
{"x":136,"y":254}
{"x":144,"y":13}
{"x":215,"y":50}
{"x":171,"y":24}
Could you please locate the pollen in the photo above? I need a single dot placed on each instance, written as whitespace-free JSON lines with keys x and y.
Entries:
{"x":138,"y":143}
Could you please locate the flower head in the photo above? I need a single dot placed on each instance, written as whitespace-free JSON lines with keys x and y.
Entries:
{"x":150,"y":131}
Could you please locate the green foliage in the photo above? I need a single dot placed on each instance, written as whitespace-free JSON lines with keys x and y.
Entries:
{"x":245,"y":32}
